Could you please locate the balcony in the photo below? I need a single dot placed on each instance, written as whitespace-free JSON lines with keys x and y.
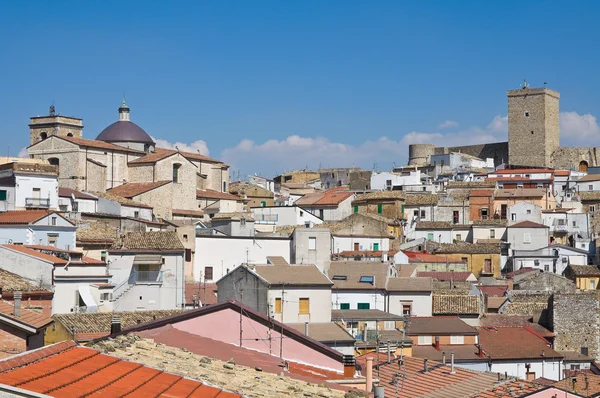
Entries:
{"x":37,"y":203}
{"x":560,"y":229}
{"x":147,"y":277}
{"x":270,"y":219}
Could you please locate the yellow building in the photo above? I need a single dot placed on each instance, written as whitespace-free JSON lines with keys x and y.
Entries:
{"x":482,"y":259}
{"x":586,"y":277}
{"x":389,"y":204}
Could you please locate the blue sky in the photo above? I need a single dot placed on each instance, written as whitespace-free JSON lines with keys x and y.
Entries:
{"x":270,"y":86}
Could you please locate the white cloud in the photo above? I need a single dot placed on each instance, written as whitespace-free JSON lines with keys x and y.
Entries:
{"x":23,"y":153}
{"x":195,"y":147}
{"x":293,"y":152}
{"x":448,"y":124}
{"x":578,"y":129}
{"x":499,"y":125}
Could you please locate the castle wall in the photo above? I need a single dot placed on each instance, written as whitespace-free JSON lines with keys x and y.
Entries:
{"x":569,"y":158}
{"x":497,"y":151}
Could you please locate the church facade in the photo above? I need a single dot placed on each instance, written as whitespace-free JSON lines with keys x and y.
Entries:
{"x":533,"y":137}
{"x":124,"y":158}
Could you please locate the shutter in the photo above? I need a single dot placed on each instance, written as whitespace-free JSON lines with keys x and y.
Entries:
{"x":304,"y":306}
{"x":2,"y":195}
{"x":344,"y":306}
{"x":188,"y":255}
{"x":380,"y":208}
{"x":278,"y":305}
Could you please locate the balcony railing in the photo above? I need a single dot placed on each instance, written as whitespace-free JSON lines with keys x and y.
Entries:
{"x":266,"y":218}
{"x":148,"y":277}
{"x":560,"y":228}
{"x":37,"y":202}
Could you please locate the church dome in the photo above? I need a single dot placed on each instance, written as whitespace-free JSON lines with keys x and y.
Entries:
{"x":125,"y":130}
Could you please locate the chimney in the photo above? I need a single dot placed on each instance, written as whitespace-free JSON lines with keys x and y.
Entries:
{"x":479,"y":351}
{"x":510,"y":283}
{"x":369,"y":385}
{"x":115,"y":324}
{"x":349,"y":366}
{"x":379,"y":391}
{"x":384,"y":257}
{"x":452,"y":363}
{"x":574,"y":382}
{"x":437,"y":343}
{"x":425,"y":365}
{"x":444,"y":357}
{"x":17,"y":297}
{"x":306,"y":328}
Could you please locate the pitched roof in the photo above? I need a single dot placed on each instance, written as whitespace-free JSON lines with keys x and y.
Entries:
{"x":589,"y":196}
{"x":10,"y":282}
{"x":417,"y":257}
{"x":212,"y":194}
{"x":525,"y":343}
{"x":353,"y":271}
{"x":132,"y":189}
{"x":470,"y":184}
{"x":97,"y":144}
{"x":28,"y":317}
{"x":328,"y":198}
{"x":158,"y":240}
{"x":99,"y":322}
{"x":120,"y":199}
{"x":455,"y":305}
{"x":585,"y":270}
{"x":528,"y":224}
{"x":421,"y":199}
{"x":585,"y":382}
{"x":438,"y":325}
{"x":234,"y":216}
{"x":364,"y":315}
{"x":408,"y":270}
{"x":379,"y":196}
{"x":22,"y":217}
{"x":493,"y":290}
{"x":481,"y":193}
{"x":490,"y":222}
{"x":276,"y":260}
{"x":409,"y":284}
{"x":464,"y":247}
{"x":250,"y":190}
{"x":590,"y":177}
{"x":69,"y":193}
{"x":446,"y":276}
{"x":37,"y":254}
{"x":520,"y":193}
{"x":188,"y":213}
{"x":326,"y":333}
{"x":514,"y":320}
{"x":66,"y":370}
{"x":434,"y":225}
{"x":292,"y":275}
{"x":162,"y":153}
{"x":494,"y":303}
{"x":96,"y":233}
{"x":510,"y":389}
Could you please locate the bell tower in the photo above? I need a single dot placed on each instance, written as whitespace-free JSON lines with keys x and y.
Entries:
{"x":42,"y":127}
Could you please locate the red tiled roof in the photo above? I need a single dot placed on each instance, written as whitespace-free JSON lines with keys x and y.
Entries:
{"x":415,"y":257}
{"x":97,"y":144}
{"x":525,"y":343}
{"x":482,"y":192}
{"x":520,"y":271}
{"x":22,"y":216}
{"x":493,"y":290}
{"x":510,"y":389}
{"x":361,"y":253}
{"x":514,"y":320}
{"x":527,"y":224}
{"x":84,"y":259}
{"x":132,"y":189}
{"x":34,"y":253}
{"x":162,"y":153}
{"x":172,"y":337}
{"x":188,"y":213}
{"x":446,"y":276}
{"x":562,"y":173}
{"x":28,"y":317}
{"x":206,"y":293}
{"x":212,"y":194}
{"x":332,"y":197}
{"x":68,"y":193}
{"x":523,"y":171}
{"x":65,"y":370}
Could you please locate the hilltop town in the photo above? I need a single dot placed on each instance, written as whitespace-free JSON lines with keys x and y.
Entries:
{"x":471,"y":271}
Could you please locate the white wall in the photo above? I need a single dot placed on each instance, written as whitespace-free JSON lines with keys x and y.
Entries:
{"x":284,"y":215}
{"x":375,"y":299}
{"x":549,"y":369}
{"x":318,"y":312}
{"x":9,"y":203}
{"x":345,"y":243}
{"x":223,"y":253}
{"x":484,"y":232}
{"x":524,"y":211}
{"x":421,"y":303}
{"x":439,"y":236}
{"x":379,"y":180}
{"x":539,"y":238}
{"x":83,"y":205}
{"x":129,"y":211}
{"x":38,"y":272}
{"x":24,"y":189}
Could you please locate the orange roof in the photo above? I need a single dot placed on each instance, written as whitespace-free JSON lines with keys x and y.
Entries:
{"x":22,"y":216}
{"x":523,"y":171}
{"x":562,"y":173}
{"x":28,"y":317}
{"x":131,"y":189}
{"x":519,"y":179}
{"x":161,"y":153}
{"x":34,"y":253}
{"x":526,"y":343}
{"x":66,"y":370}
{"x":188,"y":213}
{"x":212,"y":194}
{"x":509,"y":389}
{"x":97,"y":144}
{"x":84,"y":259}
{"x":481,"y":192}
{"x":332,"y":197}
{"x":206,"y":293}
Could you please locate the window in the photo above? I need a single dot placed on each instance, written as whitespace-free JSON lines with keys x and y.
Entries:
{"x":388,"y":182}
{"x":356,"y":246}
{"x":54,"y":161}
{"x":105,"y":296}
{"x":43,"y":135}
{"x":375,"y":246}
{"x":340,"y":277}
{"x":527,"y":237}
{"x":344,"y":306}
{"x":464,"y":260}
{"x":406,"y":309}
{"x":546,"y":267}
{"x":422,"y":213}
{"x":560,"y":222}
{"x":52,"y":241}
{"x":176,"y":168}
{"x":487,"y":266}
{"x":455,"y":217}
{"x":424,"y":340}
{"x":224,"y":186}
{"x":528,"y":211}
{"x":575,"y":367}
{"x":592,"y":284}
{"x":592,"y":207}
{"x":526,"y":114}
{"x":367,"y":279}
{"x":53,"y":220}
{"x":263,"y":203}
{"x":356,"y":209}
{"x":379,"y":208}
{"x":590,"y":187}
{"x":304,"y":306}
{"x":278,"y":305}
{"x":312,"y":243}
{"x":2,"y":194}
{"x":520,"y":186}
{"x":242,"y":221}
{"x":513,"y":217}
{"x":430,"y":236}
{"x":363,"y":306}
{"x":416,"y":213}
{"x":484,"y":213}
{"x":188,"y":255}
{"x":492,"y":234}
{"x":351,"y":325}
{"x":185,"y":237}
{"x":457,"y":339}
{"x":208,"y":273}
{"x":389,"y":325}
{"x":459,"y":237}
{"x":136,"y":214}
{"x":540,"y":186}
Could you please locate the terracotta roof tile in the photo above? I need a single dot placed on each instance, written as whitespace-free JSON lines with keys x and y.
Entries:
{"x":99,"y":322}
{"x":23,"y":217}
{"x":80,"y":371}
{"x":421,"y":199}
{"x":510,"y":389}
{"x":234,"y":216}
{"x":446,"y":276}
{"x":188,"y":213}
{"x":96,"y":232}
{"x":10,"y":282}
{"x":586,"y":382}
{"x":98,"y":144}
{"x":212,"y":194}
{"x":465,"y":247}
{"x":438,"y":325}
{"x":493,"y":290}
{"x":416,"y":284}
{"x":132,"y":189}
{"x":327,"y":198}
{"x":379,"y":196}
{"x":121,"y":200}
{"x":520,"y":193}
{"x":157,"y":240}
{"x":162,"y":153}
{"x":470,"y":184}
{"x":292,"y":275}
{"x":525,"y":343}
{"x":585,"y":270}
{"x":527,"y":224}
{"x":206,"y":293}
{"x":35,"y":253}
{"x":28,"y":317}
{"x":455,"y":305}
{"x":324,"y":332}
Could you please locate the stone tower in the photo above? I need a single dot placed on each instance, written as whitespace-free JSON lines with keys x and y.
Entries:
{"x":533,"y":130}
{"x":42,"y":127}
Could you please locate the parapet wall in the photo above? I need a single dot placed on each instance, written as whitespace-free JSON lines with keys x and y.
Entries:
{"x":497,"y":151}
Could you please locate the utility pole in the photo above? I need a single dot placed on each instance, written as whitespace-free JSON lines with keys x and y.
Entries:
{"x":281,"y":331}
{"x":241,"y":330}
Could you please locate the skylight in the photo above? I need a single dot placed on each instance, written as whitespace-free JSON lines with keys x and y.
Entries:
{"x":340,"y":277}
{"x":367,"y":279}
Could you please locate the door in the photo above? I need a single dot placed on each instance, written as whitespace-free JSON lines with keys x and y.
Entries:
{"x":487,"y":266}
{"x":356,"y":247}
{"x":375,"y":246}
{"x":503,"y":211}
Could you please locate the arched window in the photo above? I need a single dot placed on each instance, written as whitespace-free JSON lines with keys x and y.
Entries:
{"x":43,"y":135}
{"x":69,"y":134}
{"x":176,"y":168}
{"x":583,"y":166}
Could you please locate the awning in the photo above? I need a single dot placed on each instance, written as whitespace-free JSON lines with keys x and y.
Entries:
{"x":86,"y":295}
{"x":148,"y":259}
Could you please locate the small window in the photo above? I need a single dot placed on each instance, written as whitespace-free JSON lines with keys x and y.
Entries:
{"x":492,"y":234}
{"x":3,"y":194}
{"x":363,"y":306}
{"x":375,"y":246}
{"x":379,"y":208}
{"x":340,"y":278}
{"x":416,"y":213}
{"x":430,"y":236}
{"x":513,"y":217}
{"x":53,"y":220}
{"x":459,"y":237}
{"x":224,"y":186}
{"x":484,"y":213}
{"x":457,"y":339}
{"x":546,"y":267}
{"x":422,"y":213}
{"x":367,"y":279}
{"x":302,"y":213}
{"x":406,"y":309}
{"x":344,"y":306}
{"x":424,"y":340}
{"x":312,"y":243}
{"x":208,"y":273}
{"x":389,"y":325}
{"x":520,"y":186}
{"x":278,"y":305}
{"x":526,"y":114}
{"x":185,"y":237}
{"x":356,"y":209}
{"x":52,"y":241}
{"x":590,"y":187}
{"x":188,"y":255}
{"x":388,"y":182}
{"x":136,"y":214}
{"x":176,"y":168}
{"x":527,"y":237}
{"x":304,"y":306}
{"x":592,"y":284}
{"x":263,"y":203}
{"x":105,"y":296}
{"x":592,"y":207}
{"x":464,"y":260}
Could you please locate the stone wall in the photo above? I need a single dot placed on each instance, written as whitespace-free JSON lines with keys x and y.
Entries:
{"x":497,"y":151}
{"x":546,"y":281}
{"x":569,"y":158}
{"x":576,"y":322}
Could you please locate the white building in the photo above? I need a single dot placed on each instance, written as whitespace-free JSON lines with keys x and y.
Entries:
{"x":410,"y":296}
{"x":37,"y":227}
{"x":332,"y":205}
{"x":390,"y":181}
{"x":28,"y":185}
{"x":147,"y":271}
{"x":70,"y":200}
{"x":359,"y":285}
{"x":266,"y":219}
{"x":554,"y":258}
{"x":527,"y":235}
{"x":588,"y":183}
{"x":524,"y":211}
{"x":356,"y":242}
